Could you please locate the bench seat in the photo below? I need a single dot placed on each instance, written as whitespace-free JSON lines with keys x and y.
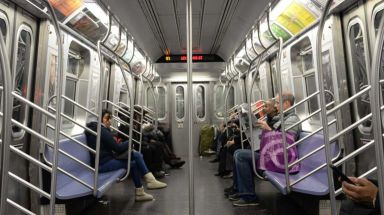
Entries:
{"x":317,"y":183}
{"x":68,"y":188}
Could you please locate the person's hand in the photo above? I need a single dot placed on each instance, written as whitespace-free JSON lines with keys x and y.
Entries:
{"x":263,"y":125}
{"x":230,"y":142}
{"x":363,"y":192}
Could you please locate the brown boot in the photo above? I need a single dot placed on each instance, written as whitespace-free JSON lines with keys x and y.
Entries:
{"x":152,"y":183}
{"x":140,"y":195}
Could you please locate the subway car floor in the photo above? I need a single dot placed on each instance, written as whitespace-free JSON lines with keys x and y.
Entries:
{"x":209,"y":196}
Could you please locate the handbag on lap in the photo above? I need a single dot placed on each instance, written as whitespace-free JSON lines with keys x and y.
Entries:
{"x":272,"y":152}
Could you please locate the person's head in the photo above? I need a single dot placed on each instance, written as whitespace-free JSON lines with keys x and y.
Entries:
{"x":106,"y":118}
{"x":269,"y":107}
{"x":288,"y":100}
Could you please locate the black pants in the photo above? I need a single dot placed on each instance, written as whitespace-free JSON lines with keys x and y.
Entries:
{"x":348,"y":207}
{"x":153,"y":156}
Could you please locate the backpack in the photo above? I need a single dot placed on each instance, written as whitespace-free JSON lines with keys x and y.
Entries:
{"x":207,"y":135}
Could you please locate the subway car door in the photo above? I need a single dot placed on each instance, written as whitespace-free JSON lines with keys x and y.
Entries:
{"x":179,"y":118}
{"x":201,"y":111}
{"x":358,"y":68}
{"x":23,"y":73}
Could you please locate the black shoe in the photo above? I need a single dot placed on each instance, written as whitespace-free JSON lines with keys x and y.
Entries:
{"x":214,"y":160}
{"x":218,"y":174}
{"x":177,"y":164}
{"x":159,"y":174}
{"x":228,"y":189}
{"x":234,"y":197}
{"x":245,"y":203}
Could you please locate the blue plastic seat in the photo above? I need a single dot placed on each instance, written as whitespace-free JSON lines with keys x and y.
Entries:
{"x":317,"y":183}
{"x":68,"y":188}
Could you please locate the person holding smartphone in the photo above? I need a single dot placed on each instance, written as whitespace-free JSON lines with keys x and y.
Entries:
{"x":362,"y":197}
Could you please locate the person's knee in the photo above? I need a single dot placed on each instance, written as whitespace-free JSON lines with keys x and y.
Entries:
{"x":242,"y":155}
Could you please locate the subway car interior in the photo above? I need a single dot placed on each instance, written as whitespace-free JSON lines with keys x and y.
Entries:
{"x":175,"y":107}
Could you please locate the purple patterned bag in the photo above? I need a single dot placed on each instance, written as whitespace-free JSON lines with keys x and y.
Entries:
{"x":272,"y":153}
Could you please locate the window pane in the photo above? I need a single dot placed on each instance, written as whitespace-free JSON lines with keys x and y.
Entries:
{"x":21,"y":76}
{"x":3,"y":27}
{"x":179,"y":102}
{"x":231,"y":98}
{"x":377,"y":20}
{"x":200,"y":102}
{"x":219,"y":101}
{"x":70,"y":92}
{"x":328,"y":85}
{"x":150,"y":101}
{"x":161,"y":102}
{"x":313,"y":105}
{"x":360,"y":78}
{"x":73,"y":65}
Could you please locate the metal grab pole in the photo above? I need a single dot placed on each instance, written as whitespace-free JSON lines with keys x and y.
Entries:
{"x":250,"y":138}
{"x":320,"y":78}
{"x":130,"y":123}
{"x":226,"y":105}
{"x":376,"y":112}
{"x":6,"y":124}
{"x":59,"y":90}
{"x":190,"y":107}
{"x":283,"y":133}
{"x":100,"y":118}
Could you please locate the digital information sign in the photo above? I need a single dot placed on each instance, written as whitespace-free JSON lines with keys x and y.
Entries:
{"x":195,"y":58}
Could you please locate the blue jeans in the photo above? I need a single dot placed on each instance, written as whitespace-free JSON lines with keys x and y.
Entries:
{"x":243,"y":174}
{"x":138,"y":167}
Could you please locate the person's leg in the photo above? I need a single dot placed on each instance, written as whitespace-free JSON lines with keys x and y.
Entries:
{"x":244,"y":174}
{"x":112,"y":165}
{"x":146,"y":151}
{"x":348,"y":207}
{"x":158,"y":156}
{"x":115,"y":164}
{"x":138,"y":158}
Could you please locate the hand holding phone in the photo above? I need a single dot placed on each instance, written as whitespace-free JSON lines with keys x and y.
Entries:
{"x":342,"y":177}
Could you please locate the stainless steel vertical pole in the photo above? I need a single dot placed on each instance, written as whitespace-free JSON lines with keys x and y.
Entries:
{"x":190,"y":108}
{"x":323,"y":110}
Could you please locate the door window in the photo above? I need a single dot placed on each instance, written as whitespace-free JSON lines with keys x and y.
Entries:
{"x":21,"y":75}
{"x":180,"y":108}
{"x":359,"y":76}
{"x":200,"y":102}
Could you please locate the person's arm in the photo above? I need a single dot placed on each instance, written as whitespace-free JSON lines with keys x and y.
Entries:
{"x":264,"y":125}
{"x":364,"y":192}
{"x":109,"y":141}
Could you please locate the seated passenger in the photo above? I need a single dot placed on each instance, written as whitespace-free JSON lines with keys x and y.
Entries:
{"x":243,"y":169}
{"x":226,"y":153}
{"x":362,"y":198}
{"x":156,"y":137}
{"x":152,"y":153}
{"x":107,"y":162}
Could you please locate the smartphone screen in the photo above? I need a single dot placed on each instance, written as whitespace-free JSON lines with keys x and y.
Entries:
{"x":340,"y":175}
